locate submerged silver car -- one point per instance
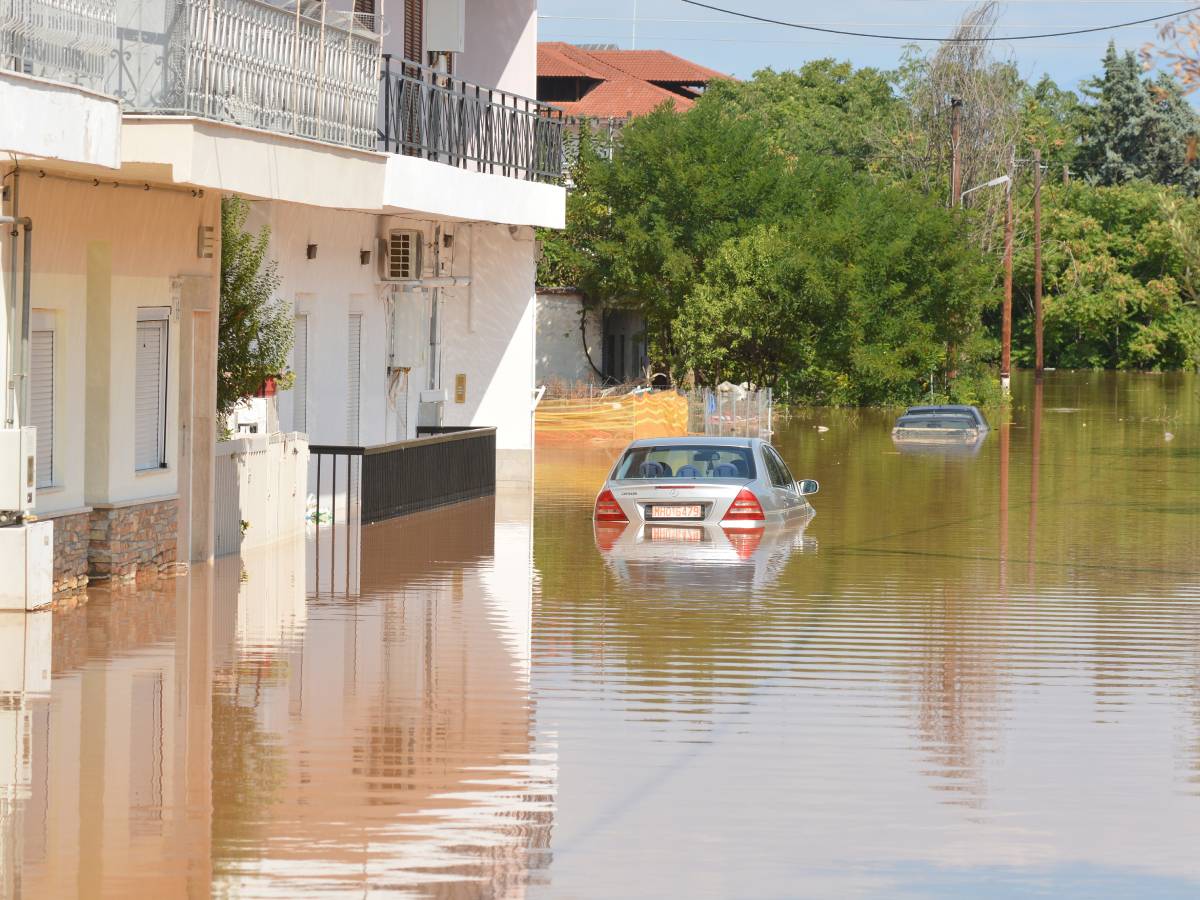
(731, 482)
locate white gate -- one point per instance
(261, 489)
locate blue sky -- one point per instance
(741, 47)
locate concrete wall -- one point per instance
(58, 121)
(560, 346)
(501, 45)
(100, 253)
(487, 329)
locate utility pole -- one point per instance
(1006, 324)
(1037, 263)
(955, 160)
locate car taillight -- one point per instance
(607, 508)
(745, 508)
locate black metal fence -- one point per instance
(404, 477)
(439, 117)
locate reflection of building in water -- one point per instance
(120, 758)
(24, 691)
(390, 746)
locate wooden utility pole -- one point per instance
(955, 158)
(1006, 322)
(1037, 263)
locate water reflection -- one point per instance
(700, 560)
(221, 733)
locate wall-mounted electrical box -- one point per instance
(445, 26)
(18, 472)
(27, 561)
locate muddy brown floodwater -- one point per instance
(976, 672)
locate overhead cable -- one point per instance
(948, 40)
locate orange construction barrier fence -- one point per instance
(611, 420)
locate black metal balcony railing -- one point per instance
(442, 118)
(388, 480)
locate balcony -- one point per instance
(302, 69)
(70, 41)
(251, 63)
(441, 118)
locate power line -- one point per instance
(948, 40)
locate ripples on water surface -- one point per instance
(969, 675)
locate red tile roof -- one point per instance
(657, 65)
(625, 78)
(618, 98)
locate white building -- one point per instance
(402, 211)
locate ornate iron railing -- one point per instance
(448, 120)
(64, 40)
(251, 63)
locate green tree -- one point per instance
(1117, 269)
(1137, 129)
(256, 330)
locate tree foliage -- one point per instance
(1137, 128)
(256, 330)
(792, 230)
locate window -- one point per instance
(41, 394)
(778, 471)
(354, 375)
(300, 369)
(150, 391)
(414, 22)
(686, 461)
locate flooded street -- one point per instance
(970, 674)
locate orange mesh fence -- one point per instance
(611, 420)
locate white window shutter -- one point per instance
(41, 401)
(354, 378)
(300, 369)
(150, 398)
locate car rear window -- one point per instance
(940, 420)
(692, 461)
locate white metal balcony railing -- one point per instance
(63, 40)
(252, 63)
(299, 69)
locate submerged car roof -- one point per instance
(697, 441)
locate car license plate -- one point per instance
(685, 535)
(691, 511)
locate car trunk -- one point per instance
(667, 500)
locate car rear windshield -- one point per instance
(937, 421)
(691, 461)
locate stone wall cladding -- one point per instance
(131, 540)
(71, 536)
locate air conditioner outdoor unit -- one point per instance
(18, 472)
(400, 256)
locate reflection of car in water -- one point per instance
(940, 429)
(733, 482)
(701, 559)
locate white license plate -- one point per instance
(676, 512)
(685, 535)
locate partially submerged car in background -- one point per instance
(948, 427)
(735, 483)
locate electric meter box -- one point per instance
(18, 470)
(27, 561)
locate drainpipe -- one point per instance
(16, 404)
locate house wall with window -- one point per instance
(122, 337)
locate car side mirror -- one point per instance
(807, 486)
